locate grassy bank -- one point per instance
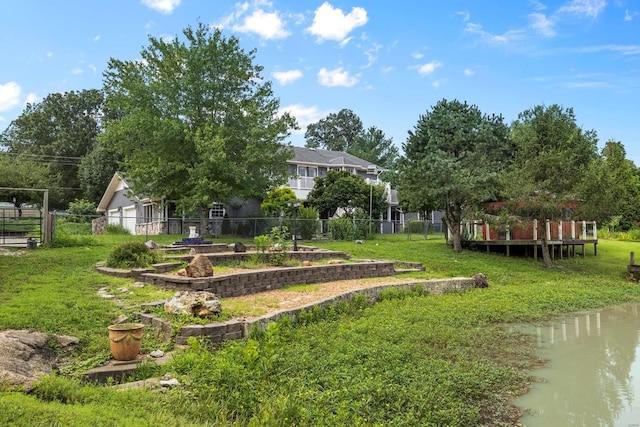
(411, 359)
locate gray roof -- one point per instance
(317, 156)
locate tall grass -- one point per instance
(411, 359)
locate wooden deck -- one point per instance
(559, 248)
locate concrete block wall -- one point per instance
(239, 329)
(233, 285)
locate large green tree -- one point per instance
(373, 146)
(195, 122)
(346, 191)
(23, 172)
(453, 159)
(552, 159)
(59, 131)
(343, 131)
(336, 132)
(610, 190)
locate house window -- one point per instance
(147, 213)
(307, 172)
(216, 211)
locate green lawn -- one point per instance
(409, 360)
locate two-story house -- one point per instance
(147, 215)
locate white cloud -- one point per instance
(96, 38)
(31, 98)
(429, 67)
(469, 72)
(336, 77)
(266, 25)
(417, 55)
(76, 71)
(93, 68)
(304, 115)
(388, 69)
(331, 23)
(465, 15)
(542, 24)
(509, 36)
(591, 8)
(285, 77)
(437, 83)
(162, 6)
(49, 54)
(371, 54)
(628, 16)
(9, 95)
(538, 5)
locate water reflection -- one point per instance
(593, 374)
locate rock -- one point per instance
(336, 261)
(27, 355)
(103, 293)
(199, 304)
(138, 285)
(156, 354)
(200, 266)
(193, 251)
(359, 242)
(239, 247)
(120, 319)
(182, 272)
(151, 244)
(169, 383)
(481, 280)
(306, 263)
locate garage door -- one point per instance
(129, 218)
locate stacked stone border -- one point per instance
(235, 329)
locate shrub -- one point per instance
(81, 210)
(308, 223)
(341, 229)
(132, 255)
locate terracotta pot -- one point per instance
(125, 340)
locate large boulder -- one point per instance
(199, 304)
(200, 266)
(27, 355)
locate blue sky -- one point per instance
(388, 61)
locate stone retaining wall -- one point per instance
(238, 329)
(228, 257)
(237, 284)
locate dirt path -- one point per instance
(296, 296)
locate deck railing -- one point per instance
(552, 230)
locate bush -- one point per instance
(132, 255)
(81, 210)
(341, 229)
(308, 223)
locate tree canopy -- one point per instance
(453, 159)
(346, 191)
(551, 164)
(343, 131)
(58, 131)
(195, 122)
(336, 132)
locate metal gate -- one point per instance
(20, 227)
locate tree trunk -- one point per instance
(545, 253)
(457, 239)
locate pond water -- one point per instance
(593, 374)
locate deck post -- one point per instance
(559, 230)
(548, 230)
(475, 230)
(487, 231)
(573, 230)
(535, 229)
(584, 230)
(595, 231)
